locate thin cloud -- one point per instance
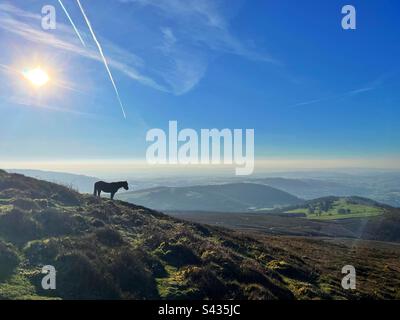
(72, 23)
(6, 69)
(373, 86)
(190, 35)
(202, 21)
(193, 34)
(169, 39)
(306, 103)
(121, 60)
(103, 57)
(29, 103)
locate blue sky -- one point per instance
(286, 68)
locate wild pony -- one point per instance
(112, 187)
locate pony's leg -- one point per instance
(112, 195)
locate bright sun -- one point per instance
(37, 76)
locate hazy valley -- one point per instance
(381, 186)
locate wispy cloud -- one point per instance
(169, 39)
(309, 102)
(192, 34)
(189, 35)
(72, 23)
(103, 57)
(29, 103)
(195, 32)
(361, 90)
(6, 69)
(65, 39)
(204, 22)
(370, 87)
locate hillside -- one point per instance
(115, 250)
(379, 185)
(224, 197)
(385, 227)
(78, 182)
(334, 208)
(312, 188)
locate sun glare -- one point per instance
(37, 77)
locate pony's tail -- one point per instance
(95, 190)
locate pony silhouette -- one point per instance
(112, 188)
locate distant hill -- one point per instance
(78, 182)
(312, 188)
(382, 186)
(333, 208)
(105, 249)
(233, 197)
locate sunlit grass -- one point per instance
(356, 211)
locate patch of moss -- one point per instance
(9, 260)
(177, 255)
(175, 285)
(19, 288)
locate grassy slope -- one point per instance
(103, 249)
(357, 210)
(385, 227)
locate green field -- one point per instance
(336, 211)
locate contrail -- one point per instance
(72, 22)
(102, 56)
